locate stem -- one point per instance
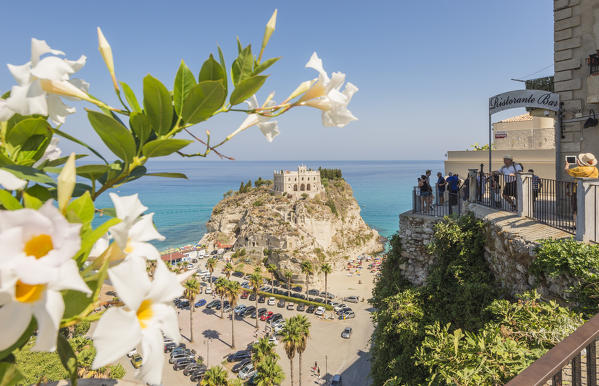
(118, 94)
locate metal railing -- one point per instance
(439, 203)
(552, 202)
(497, 191)
(572, 361)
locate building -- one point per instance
(576, 64)
(297, 183)
(529, 138)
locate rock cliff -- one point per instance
(289, 231)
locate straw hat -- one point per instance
(507, 156)
(587, 159)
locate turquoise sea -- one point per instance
(182, 207)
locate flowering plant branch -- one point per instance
(54, 262)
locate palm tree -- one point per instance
(220, 289)
(215, 376)
(271, 268)
(233, 288)
(228, 269)
(263, 349)
(326, 269)
(308, 269)
(303, 326)
(268, 372)
(290, 339)
(192, 289)
(256, 282)
(210, 265)
(288, 276)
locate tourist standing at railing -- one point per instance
(441, 183)
(453, 186)
(426, 193)
(587, 167)
(537, 185)
(509, 170)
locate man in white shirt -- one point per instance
(510, 189)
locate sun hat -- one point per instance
(507, 156)
(587, 159)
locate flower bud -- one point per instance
(302, 88)
(270, 28)
(66, 183)
(64, 88)
(106, 53)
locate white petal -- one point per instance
(69, 278)
(57, 110)
(99, 246)
(33, 271)
(52, 68)
(26, 100)
(11, 182)
(48, 313)
(39, 48)
(167, 318)
(5, 112)
(14, 319)
(337, 80)
(269, 129)
(349, 91)
(337, 117)
(22, 73)
(252, 102)
(117, 332)
(316, 63)
(120, 233)
(142, 250)
(131, 282)
(127, 207)
(12, 245)
(153, 356)
(76, 65)
(144, 230)
(165, 286)
(80, 84)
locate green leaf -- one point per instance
(116, 136)
(32, 202)
(136, 173)
(27, 128)
(184, 82)
(246, 88)
(67, 357)
(62, 160)
(158, 105)
(21, 341)
(168, 175)
(203, 100)
(82, 208)
(130, 97)
(28, 173)
(165, 146)
(92, 172)
(9, 201)
(10, 374)
(221, 58)
(140, 123)
(264, 65)
(40, 192)
(242, 67)
(73, 139)
(211, 70)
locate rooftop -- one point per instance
(518, 118)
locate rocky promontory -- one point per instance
(258, 222)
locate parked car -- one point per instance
(275, 318)
(266, 315)
(248, 311)
(132, 352)
(181, 355)
(244, 295)
(169, 346)
(339, 307)
(301, 307)
(346, 333)
(336, 380)
(310, 309)
(238, 274)
(352, 299)
(261, 311)
(239, 309)
(246, 372)
(319, 311)
(208, 291)
(281, 303)
(136, 361)
(239, 356)
(193, 368)
(347, 315)
(290, 306)
(183, 363)
(261, 299)
(273, 340)
(237, 368)
(297, 288)
(200, 303)
(313, 292)
(271, 301)
(197, 375)
(344, 310)
(212, 304)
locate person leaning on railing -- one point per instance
(586, 167)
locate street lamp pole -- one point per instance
(326, 365)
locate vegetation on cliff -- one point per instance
(460, 327)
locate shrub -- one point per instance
(296, 300)
(331, 204)
(258, 203)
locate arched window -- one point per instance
(302, 187)
(295, 188)
(308, 187)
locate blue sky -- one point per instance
(425, 69)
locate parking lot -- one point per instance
(333, 354)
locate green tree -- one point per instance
(303, 329)
(228, 269)
(262, 349)
(232, 289)
(308, 270)
(326, 269)
(271, 268)
(291, 336)
(210, 265)
(192, 289)
(220, 289)
(256, 282)
(268, 372)
(215, 376)
(288, 276)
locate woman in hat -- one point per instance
(587, 167)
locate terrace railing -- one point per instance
(550, 202)
(440, 203)
(497, 191)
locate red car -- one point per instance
(244, 295)
(266, 316)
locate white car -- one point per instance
(132, 352)
(271, 301)
(319, 311)
(339, 307)
(273, 340)
(239, 309)
(189, 266)
(208, 290)
(246, 372)
(279, 328)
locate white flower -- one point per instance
(52, 153)
(269, 128)
(133, 232)
(30, 95)
(99, 247)
(11, 182)
(147, 315)
(327, 96)
(35, 265)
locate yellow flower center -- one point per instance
(144, 313)
(38, 246)
(128, 247)
(28, 293)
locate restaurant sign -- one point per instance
(524, 98)
(500, 134)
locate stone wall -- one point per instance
(509, 249)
